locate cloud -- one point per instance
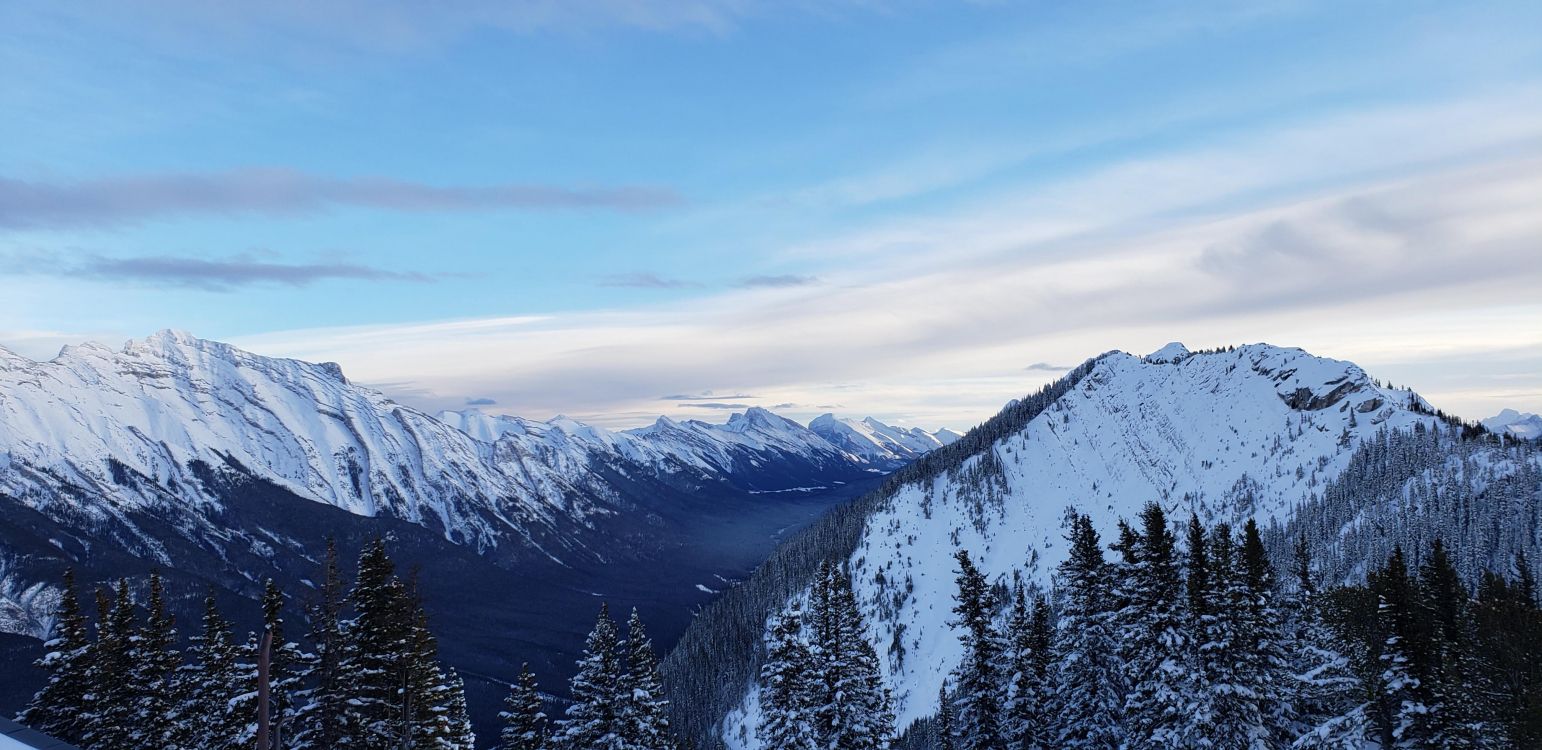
(644, 280)
(714, 405)
(111, 201)
(1046, 367)
(704, 396)
(481, 401)
(198, 273)
(788, 280)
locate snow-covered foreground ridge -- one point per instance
(1255, 431)
(102, 434)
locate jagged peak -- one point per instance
(1173, 352)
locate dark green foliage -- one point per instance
(979, 688)
(524, 722)
(59, 709)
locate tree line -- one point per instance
(368, 677)
(1188, 639)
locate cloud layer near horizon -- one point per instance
(109, 201)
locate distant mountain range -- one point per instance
(1515, 424)
(222, 468)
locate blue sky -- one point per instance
(910, 209)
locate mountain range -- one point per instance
(1312, 448)
(222, 468)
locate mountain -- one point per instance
(878, 443)
(1308, 446)
(1515, 424)
(223, 468)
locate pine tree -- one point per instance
(59, 707)
(327, 718)
(1024, 727)
(852, 706)
(284, 662)
(593, 721)
(1400, 708)
(944, 725)
(155, 663)
(787, 680)
(979, 689)
(381, 636)
(211, 685)
(110, 716)
(1266, 660)
(646, 713)
(458, 716)
(1331, 713)
(1088, 699)
(524, 723)
(1159, 707)
(1454, 720)
(1224, 653)
(1509, 631)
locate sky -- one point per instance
(614, 209)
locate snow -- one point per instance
(1226, 435)
(10, 743)
(1515, 424)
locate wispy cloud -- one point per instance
(219, 275)
(644, 280)
(705, 396)
(481, 401)
(1046, 367)
(787, 280)
(714, 405)
(38, 204)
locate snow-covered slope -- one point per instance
(100, 434)
(1228, 434)
(1515, 424)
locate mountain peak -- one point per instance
(1172, 352)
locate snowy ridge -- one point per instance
(1515, 424)
(1229, 434)
(876, 442)
(105, 433)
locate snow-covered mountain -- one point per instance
(877, 442)
(1515, 424)
(1256, 431)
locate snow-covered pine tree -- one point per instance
(1455, 719)
(1331, 711)
(593, 721)
(59, 707)
(979, 687)
(1401, 709)
(458, 716)
(1208, 629)
(380, 635)
(284, 662)
(1088, 697)
(646, 712)
(210, 685)
(109, 717)
(1160, 704)
(1266, 655)
(327, 718)
(944, 724)
(786, 679)
(154, 672)
(524, 721)
(852, 709)
(1227, 659)
(1024, 726)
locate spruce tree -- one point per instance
(59, 707)
(787, 679)
(154, 672)
(1401, 709)
(1024, 724)
(327, 718)
(211, 685)
(646, 713)
(944, 724)
(1454, 720)
(1160, 707)
(524, 722)
(979, 688)
(1266, 657)
(111, 714)
(593, 721)
(852, 706)
(381, 635)
(1088, 699)
(1331, 712)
